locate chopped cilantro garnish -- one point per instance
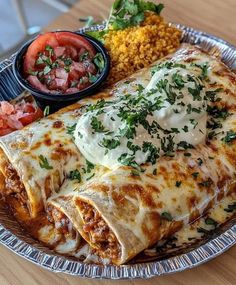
(89, 166)
(70, 129)
(178, 81)
(218, 112)
(135, 172)
(206, 183)
(167, 216)
(231, 208)
(43, 162)
(84, 56)
(133, 147)
(68, 61)
(211, 95)
(204, 70)
(178, 183)
(167, 145)
(154, 172)
(90, 177)
(153, 152)
(193, 122)
(213, 124)
(99, 61)
(93, 78)
(212, 135)
(75, 175)
(110, 143)
(46, 70)
(199, 161)
(67, 68)
(50, 50)
(230, 136)
(184, 145)
(195, 174)
(128, 160)
(97, 125)
(204, 231)
(211, 222)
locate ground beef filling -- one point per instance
(99, 233)
(62, 224)
(14, 186)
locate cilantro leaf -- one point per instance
(110, 143)
(230, 136)
(43, 162)
(75, 175)
(167, 216)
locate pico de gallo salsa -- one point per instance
(16, 116)
(62, 63)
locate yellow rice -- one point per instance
(136, 47)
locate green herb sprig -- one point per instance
(43, 162)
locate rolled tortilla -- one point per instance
(123, 214)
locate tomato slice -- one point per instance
(76, 41)
(38, 46)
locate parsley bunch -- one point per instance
(127, 13)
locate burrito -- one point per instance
(36, 160)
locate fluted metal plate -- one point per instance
(13, 237)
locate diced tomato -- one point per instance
(14, 124)
(34, 81)
(79, 66)
(76, 41)
(91, 68)
(74, 75)
(61, 73)
(61, 83)
(84, 83)
(6, 107)
(14, 117)
(59, 51)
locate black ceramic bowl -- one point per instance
(58, 101)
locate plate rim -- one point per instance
(178, 263)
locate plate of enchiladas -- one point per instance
(117, 147)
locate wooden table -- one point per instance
(213, 16)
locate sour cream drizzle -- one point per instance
(137, 127)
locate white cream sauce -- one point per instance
(173, 106)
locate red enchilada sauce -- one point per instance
(62, 63)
